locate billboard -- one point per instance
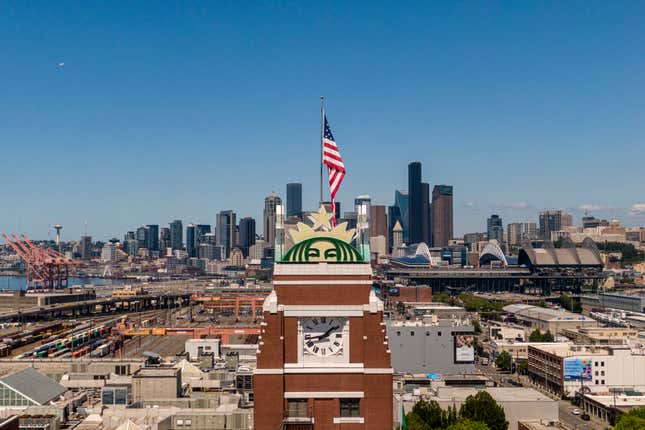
(464, 348)
(577, 368)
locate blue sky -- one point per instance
(167, 110)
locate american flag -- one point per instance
(334, 163)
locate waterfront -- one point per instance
(19, 282)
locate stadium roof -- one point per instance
(567, 256)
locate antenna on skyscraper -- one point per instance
(85, 229)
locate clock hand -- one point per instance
(326, 334)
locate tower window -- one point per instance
(350, 407)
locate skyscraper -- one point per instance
(516, 231)
(294, 200)
(153, 237)
(378, 223)
(269, 218)
(567, 220)
(426, 230)
(495, 230)
(225, 234)
(142, 237)
(247, 235)
(176, 236)
(362, 199)
(550, 220)
(442, 215)
(401, 201)
(164, 240)
(191, 240)
(415, 212)
(86, 247)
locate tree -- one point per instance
(400, 308)
(477, 326)
(634, 420)
(466, 424)
(537, 336)
(523, 367)
(569, 303)
(425, 416)
(482, 407)
(504, 361)
(630, 254)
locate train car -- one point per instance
(59, 353)
(101, 351)
(5, 350)
(80, 352)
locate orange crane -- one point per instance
(231, 302)
(195, 332)
(46, 269)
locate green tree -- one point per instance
(400, 308)
(425, 415)
(482, 407)
(535, 336)
(631, 255)
(569, 303)
(466, 424)
(477, 326)
(504, 361)
(523, 367)
(634, 420)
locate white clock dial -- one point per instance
(323, 336)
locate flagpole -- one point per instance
(322, 126)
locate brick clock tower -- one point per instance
(323, 360)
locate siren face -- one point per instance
(327, 249)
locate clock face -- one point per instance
(323, 336)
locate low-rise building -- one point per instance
(507, 333)
(197, 347)
(608, 406)
(519, 403)
(28, 387)
(601, 335)
(156, 383)
(517, 350)
(548, 319)
(564, 368)
(432, 345)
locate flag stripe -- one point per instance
(335, 166)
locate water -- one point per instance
(19, 282)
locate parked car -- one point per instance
(585, 417)
(575, 411)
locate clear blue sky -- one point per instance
(167, 110)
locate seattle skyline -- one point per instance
(115, 117)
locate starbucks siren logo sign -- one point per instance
(322, 242)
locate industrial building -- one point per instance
(548, 319)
